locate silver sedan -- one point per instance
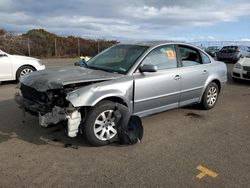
(146, 78)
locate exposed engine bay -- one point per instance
(51, 107)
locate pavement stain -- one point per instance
(69, 145)
(194, 115)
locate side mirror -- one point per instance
(148, 68)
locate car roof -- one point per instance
(153, 43)
(235, 46)
(156, 43)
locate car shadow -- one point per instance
(14, 125)
(196, 107)
(8, 83)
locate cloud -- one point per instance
(245, 39)
(130, 19)
(181, 15)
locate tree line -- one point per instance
(41, 43)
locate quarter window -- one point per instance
(189, 56)
(163, 57)
(205, 58)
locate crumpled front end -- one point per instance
(51, 107)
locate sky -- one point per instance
(189, 20)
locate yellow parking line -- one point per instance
(205, 171)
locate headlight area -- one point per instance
(70, 114)
(51, 107)
(40, 62)
(238, 66)
(62, 110)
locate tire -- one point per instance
(210, 96)
(100, 124)
(23, 71)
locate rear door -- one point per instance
(5, 67)
(194, 73)
(158, 91)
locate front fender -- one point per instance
(92, 94)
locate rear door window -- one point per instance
(189, 56)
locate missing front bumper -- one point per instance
(48, 115)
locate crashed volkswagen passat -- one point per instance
(146, 78)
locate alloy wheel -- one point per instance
(212, 96)
(25, 71)
(104, 126)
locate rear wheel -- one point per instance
(210, 96)
(100, 126)
(24, 71)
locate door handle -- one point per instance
(205, 72)
(177, 77)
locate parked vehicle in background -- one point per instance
(241, 70)
(212, 50)
(146, 78)
(232, 53)
(12, 67)
(83, 60)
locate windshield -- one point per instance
(119, 58)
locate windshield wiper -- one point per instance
(96, 68)
(102, 69)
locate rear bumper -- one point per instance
(234, 59)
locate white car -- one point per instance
(12, 67)
(241, 69)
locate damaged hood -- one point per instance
(59, 77)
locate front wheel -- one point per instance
(100, 125)
(210, 96)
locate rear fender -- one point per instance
(209, 80)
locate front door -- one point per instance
(158, 91)
(5, 67)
